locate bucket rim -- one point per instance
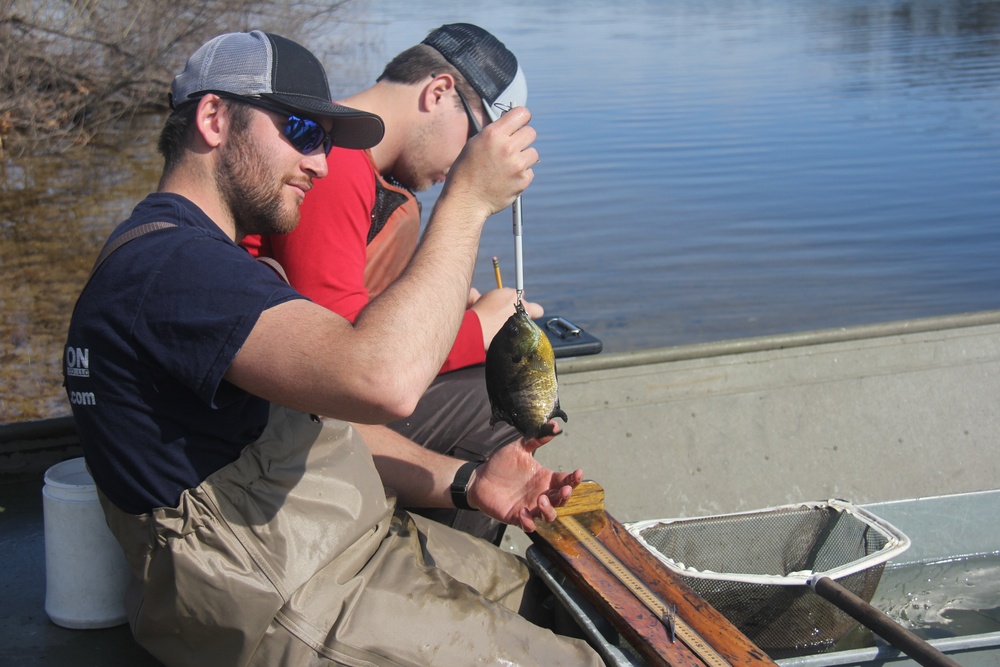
(76, 465)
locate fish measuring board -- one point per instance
(636, 593)
(679, 628)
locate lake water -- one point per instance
(709, 171)
(935, 600)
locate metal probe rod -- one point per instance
(518, 265)
(516, 209)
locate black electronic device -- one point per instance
(568, 339)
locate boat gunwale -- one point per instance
(65, 426)
(776, 342)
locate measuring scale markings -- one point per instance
(675, 624)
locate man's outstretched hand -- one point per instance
(513, 487)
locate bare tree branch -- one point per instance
(70, 68)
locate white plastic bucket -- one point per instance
(85, 570)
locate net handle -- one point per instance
(881, 624)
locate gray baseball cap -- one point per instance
(489, 67)
(261, 65)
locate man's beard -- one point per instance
(244, 181)
(410, 169)
(403, 177)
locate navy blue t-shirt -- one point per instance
(151, 337)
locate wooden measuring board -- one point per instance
(663, 619)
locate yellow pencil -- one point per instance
(496, 271)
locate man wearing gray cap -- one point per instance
(360, 227)
(259, 533)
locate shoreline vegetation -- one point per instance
(82, 97)
(72, 68)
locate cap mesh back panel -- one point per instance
(484, 62)
(236, 63)
(248, 69)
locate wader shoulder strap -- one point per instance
(117, 243)
(142, 230)
(130, 235)
(275, 266)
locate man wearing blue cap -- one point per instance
(257, 532)
(360, 227)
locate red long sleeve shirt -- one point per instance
(325, 256)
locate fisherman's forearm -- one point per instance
(419, 477)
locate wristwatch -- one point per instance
(460, 485)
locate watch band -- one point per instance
(460, 485)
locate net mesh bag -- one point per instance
(756, 567)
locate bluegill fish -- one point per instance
(521, 377)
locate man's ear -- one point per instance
(436, 92)
(211, 120)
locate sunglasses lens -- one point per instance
(307, 135)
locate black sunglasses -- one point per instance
(305, 134)
(474, 126)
